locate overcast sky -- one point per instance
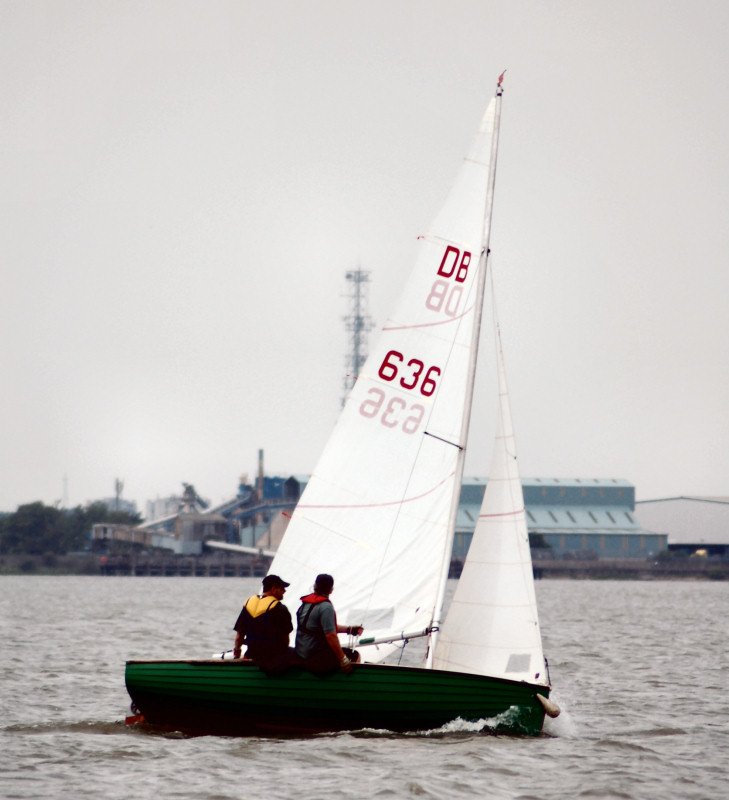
(185, 184)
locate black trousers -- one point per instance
(325, 661)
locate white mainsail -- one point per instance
(492, 627)
(378, 511)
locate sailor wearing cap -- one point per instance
(264, 624)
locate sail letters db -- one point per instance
(445, 295)
(450, 260)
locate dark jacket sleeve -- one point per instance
(240, 624)
(285, 615)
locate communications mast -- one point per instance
(358, 323)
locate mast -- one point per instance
(478, 310)
(359, 323)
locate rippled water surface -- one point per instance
(638, 669)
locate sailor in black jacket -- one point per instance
(264, 624)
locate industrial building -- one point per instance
(183, 530)
(258, 515)
(586, 518)
(692, 525)
(579, 518)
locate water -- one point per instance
(638, 669)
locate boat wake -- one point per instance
(492, 725)
(506, 723)
(85, 726)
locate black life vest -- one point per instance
(261, 631)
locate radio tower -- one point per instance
(359, 323)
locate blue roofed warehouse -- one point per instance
(590, 518)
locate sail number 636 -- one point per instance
(394, 365)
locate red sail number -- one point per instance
(388, 369)
(412, 372)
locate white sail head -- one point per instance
(376, 513)
(492, 626)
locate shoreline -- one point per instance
(233, 565)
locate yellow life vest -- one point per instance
(256, 605)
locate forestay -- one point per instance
(377, 512)
(492, 627)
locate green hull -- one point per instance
(236, 698)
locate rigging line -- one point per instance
(503, 393)
(433, 238)
(441, 439)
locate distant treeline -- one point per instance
(37, 529)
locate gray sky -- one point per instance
(184, 185)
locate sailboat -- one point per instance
(379, 514)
